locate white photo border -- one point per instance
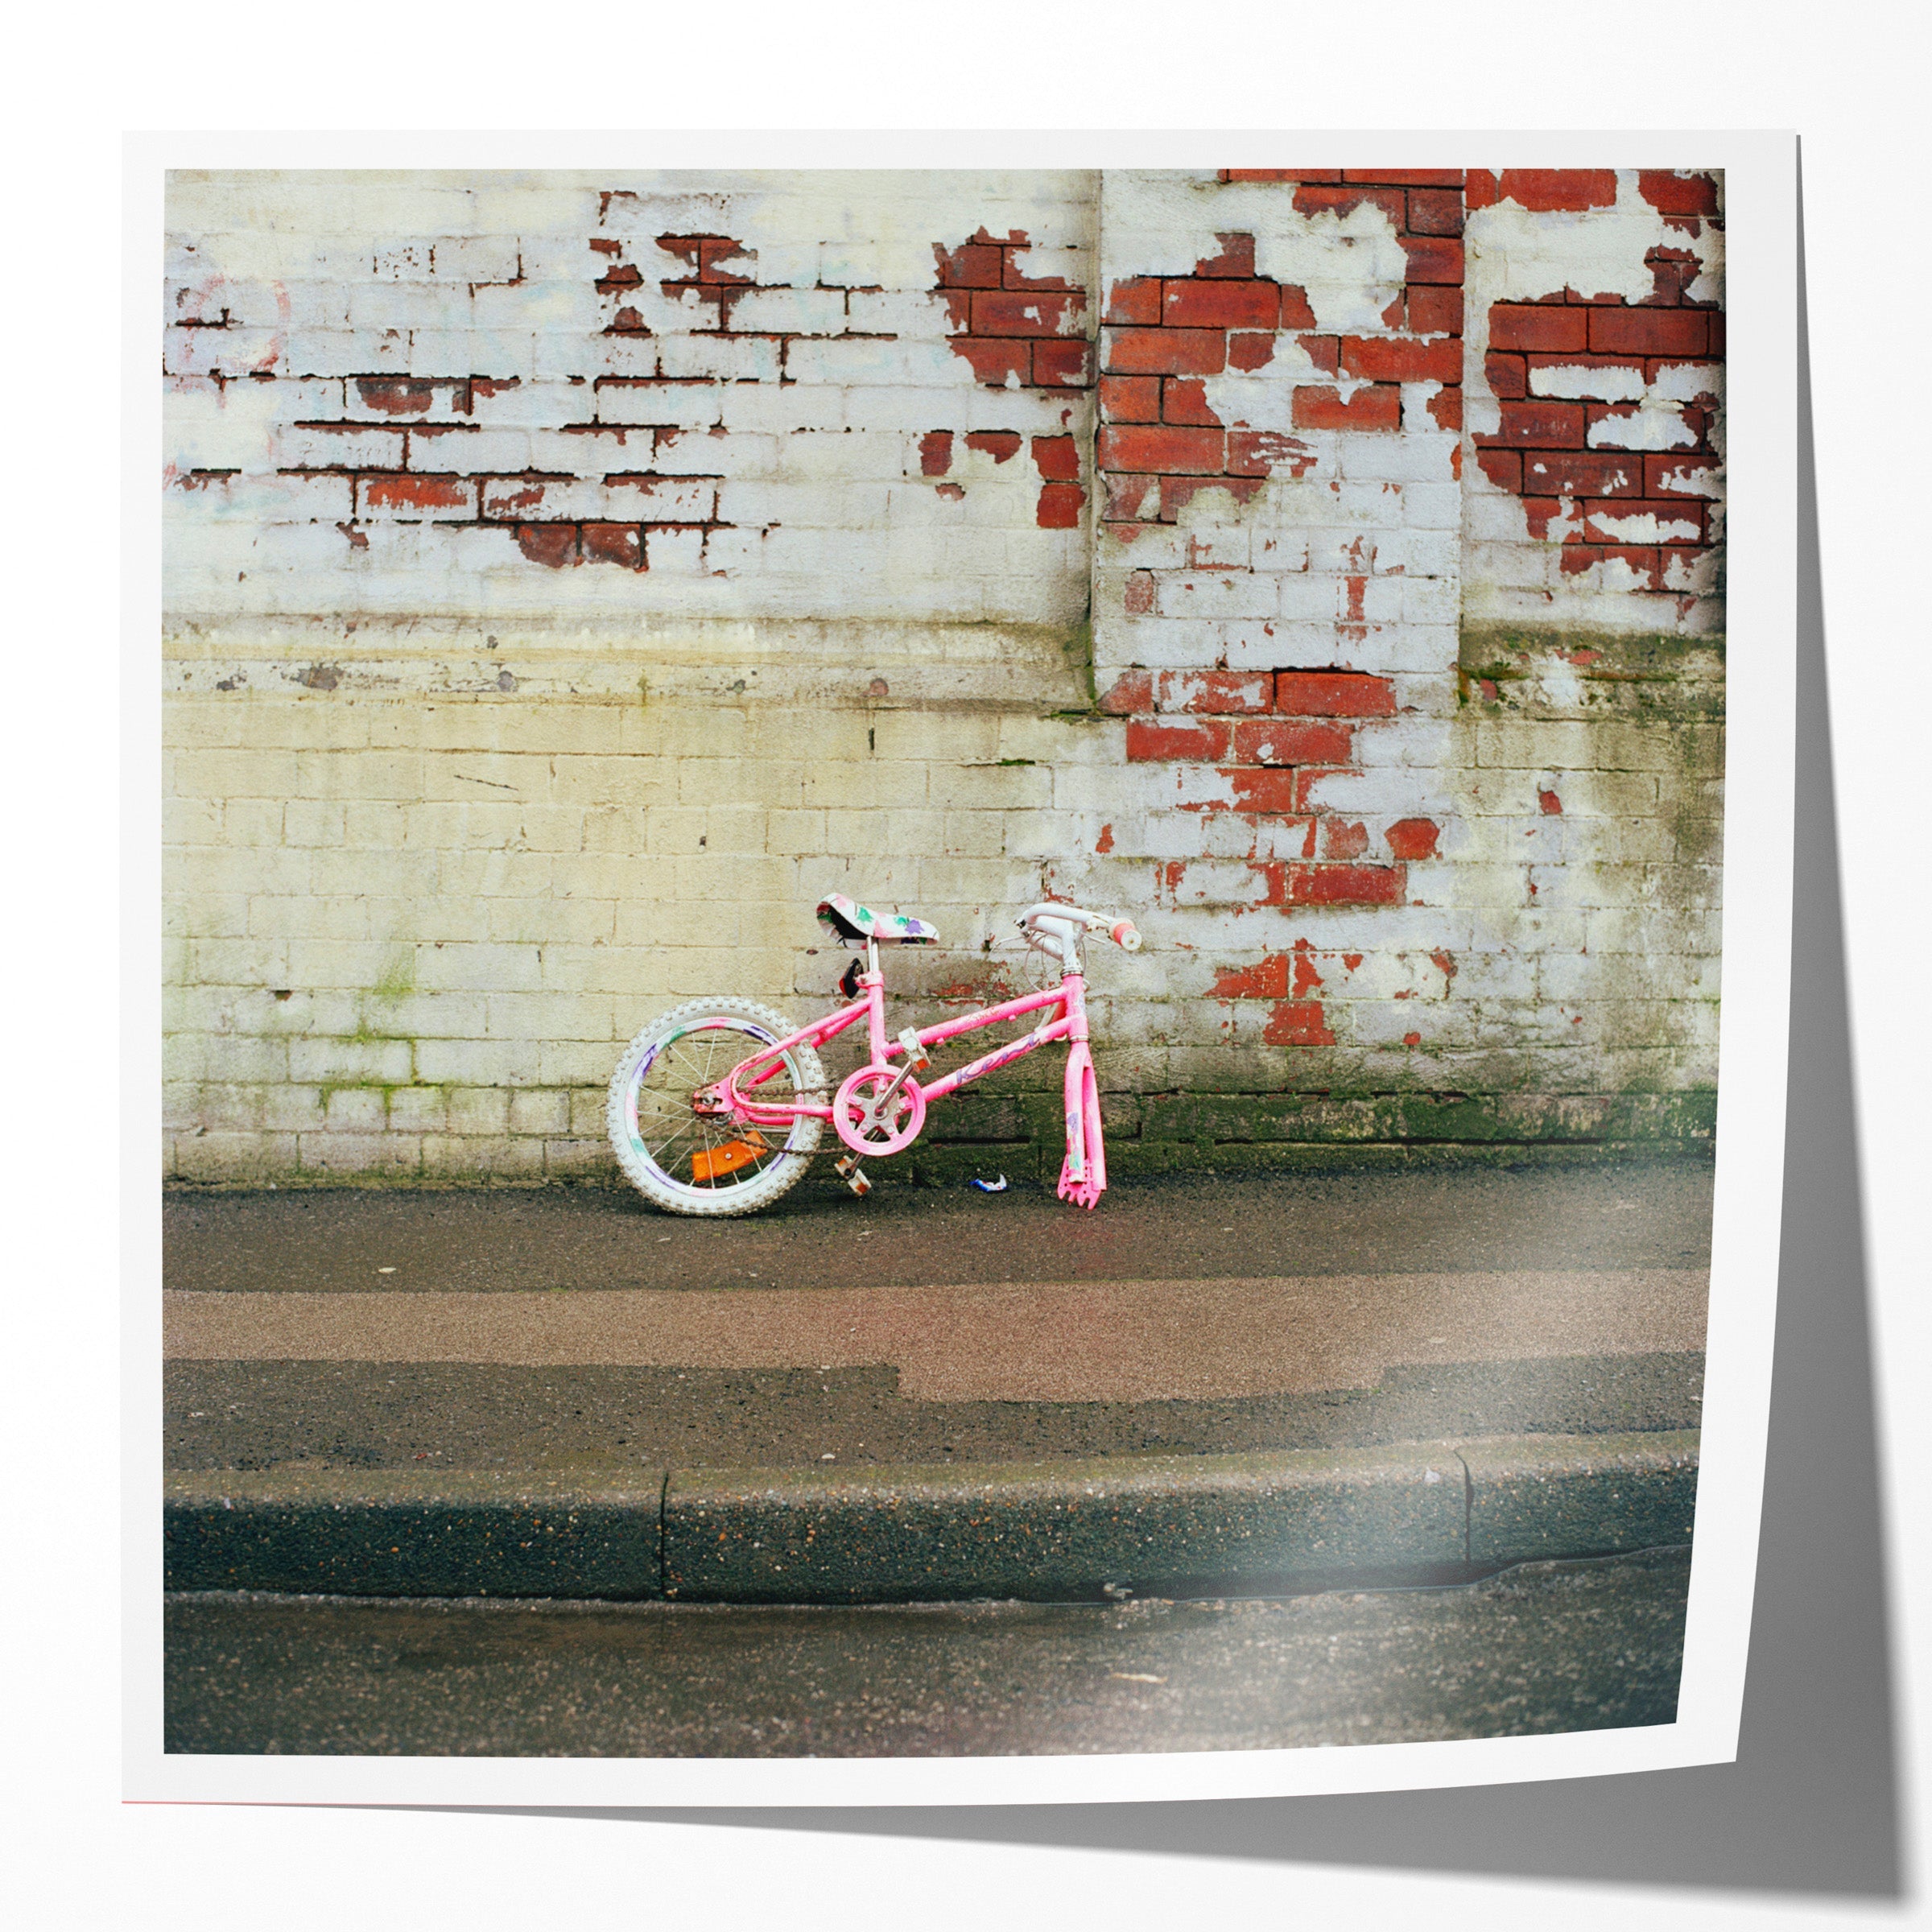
(1761, 301)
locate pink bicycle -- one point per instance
(701, 1126)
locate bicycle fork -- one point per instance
(1083, 1174)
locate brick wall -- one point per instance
(569, 579)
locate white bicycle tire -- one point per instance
(663, 1189)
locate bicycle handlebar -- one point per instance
(1121, 931)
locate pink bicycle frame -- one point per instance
(1083, 1174)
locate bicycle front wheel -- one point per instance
(687, 1162)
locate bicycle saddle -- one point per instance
(847, 919)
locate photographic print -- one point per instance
(944, 951)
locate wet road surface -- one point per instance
(1545, 1647)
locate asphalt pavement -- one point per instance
(1545, 1647)
(545, 1329)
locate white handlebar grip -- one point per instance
(1126, 937)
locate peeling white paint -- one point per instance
(1515, 255)
(1575, 382)
(1662, 426)
(1646, 529)
(1690, 382)
(1352, 267)
(1698, 572)
(1707, 482)
(1615, 575)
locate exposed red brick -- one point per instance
(607, 244)
(1671, 273)
(1132, 690)
(1345, 884)
(1220, 304)
(1125, 495)
(1671, 193)
(416, 493)
(1000, 444)
(1309, 200)
(1540, 424)
(1445, 406)
(1435, 312)
(1193, 739)
(1291, 742)
(1549, 803)
(688, 249)
(1184, 399)
(1220, 692)
(1660, 472)
(1553, 189)
(714, 251)
(1169, 352)
(1577, 558)
(1280, 174)
(1298, 1023)
(1250, 352)
(1717, 331)
(1136, 300)
(1157, 448)
(1648, 332)
(1235, 258)
(1130, 398)
(995, 360)
(1295, 310)
(1056, 458)
(1581, 473)
(1412, 1039)
(1407, 177)
(1333, 694)
(1480, 188)
(1139, 599)
(1267, 980)
(1537, 325)
(1324, 352)
(620, 543)
(1059, 506)
(972, 265)
(1433, 258)
(1061, 363)
(1260, 453)
(935, 452)
(1402, 359)
(1378, 408)
(1267, 790)
(1003, 312)
(1503, 468)
(1413, 838)
(1435, 210)
(1344, 839)
(395, 395)
(552, 544)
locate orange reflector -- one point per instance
(727, 1159)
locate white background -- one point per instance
(1846, 86)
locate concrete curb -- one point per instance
(1404, 1512)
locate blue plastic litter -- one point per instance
(998, 1187)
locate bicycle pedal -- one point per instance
(857, 1181)
(917, 1058)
